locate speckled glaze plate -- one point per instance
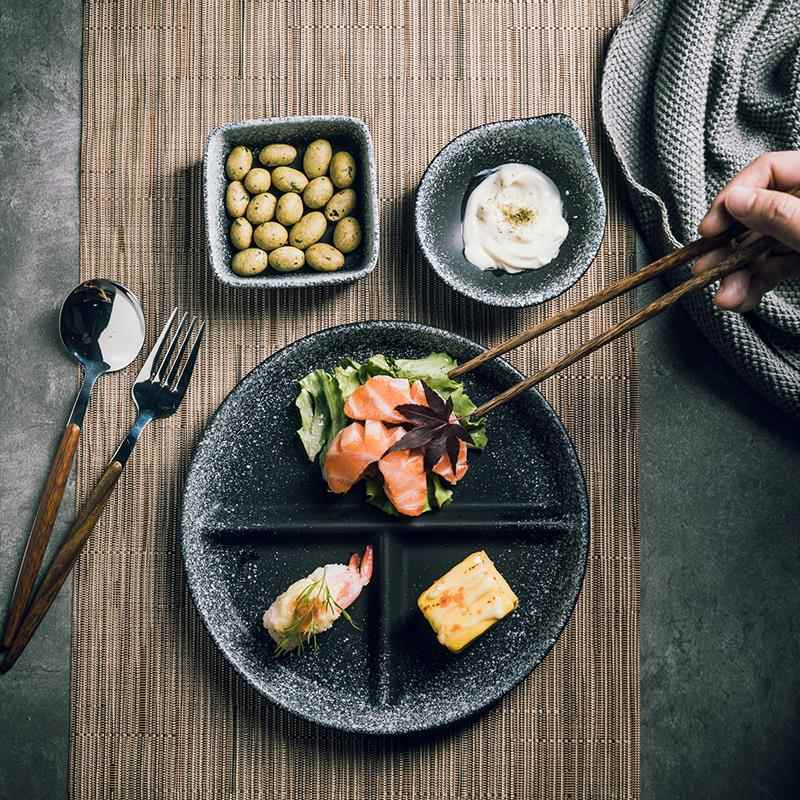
(257, 517)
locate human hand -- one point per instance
(758, 198)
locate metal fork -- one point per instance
(157, 392)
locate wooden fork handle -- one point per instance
(42, 529)
(63, 562)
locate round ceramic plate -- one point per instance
(257, 517)
(555, 144)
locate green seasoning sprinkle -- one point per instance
(518, 216)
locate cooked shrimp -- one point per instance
(311, 605)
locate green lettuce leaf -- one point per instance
(438, 493)
(463, 407)
(376, 496)
(347, 377)
(333, 397)
(432, 370)
(314, 419)
(377, 365)
(321, 411)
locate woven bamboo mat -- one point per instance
(157, 712)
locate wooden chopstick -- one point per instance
(747, 250)
(689, 252)
(747, 247)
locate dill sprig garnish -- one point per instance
(314, 600)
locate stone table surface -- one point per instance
(719, 495)
(720, 577)
(40, 72)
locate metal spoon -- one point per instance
(102, 327)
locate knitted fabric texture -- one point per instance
(693, 90)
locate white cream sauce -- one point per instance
(513, 220)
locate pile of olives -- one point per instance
(280, 213)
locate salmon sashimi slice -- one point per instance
(443, 467)
(418, 394)
(354, 449)
(378, 398)
(378, 438)
(405, 481)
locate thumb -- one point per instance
(775, 214)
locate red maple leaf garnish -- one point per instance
(433, 431)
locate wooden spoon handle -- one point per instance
(63, 562)
(42, 529)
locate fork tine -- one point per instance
(158, 372)
(147, 368)
(169, 381)
(183, 379)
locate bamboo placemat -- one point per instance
(157, 712)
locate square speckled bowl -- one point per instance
(344, 133)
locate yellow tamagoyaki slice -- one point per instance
(467, 601)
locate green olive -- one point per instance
(318, 192)
(289, 209)
(343, 170)
(239, 162)
(241, 233)
(310, 229)
(324, 258)
(277, 155)
(317, 158)
(270, 235)
(288, 179)
(261, 208)
(287, 259)
(347, 234)
(257, 180)
(236, 199)
(341, 205)
(249, 262)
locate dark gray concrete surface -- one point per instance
(40, 45)
(720, 530)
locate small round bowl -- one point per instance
(553, 144)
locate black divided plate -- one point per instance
(257, 516)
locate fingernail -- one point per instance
(739, 200)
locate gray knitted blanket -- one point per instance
(692, 91)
